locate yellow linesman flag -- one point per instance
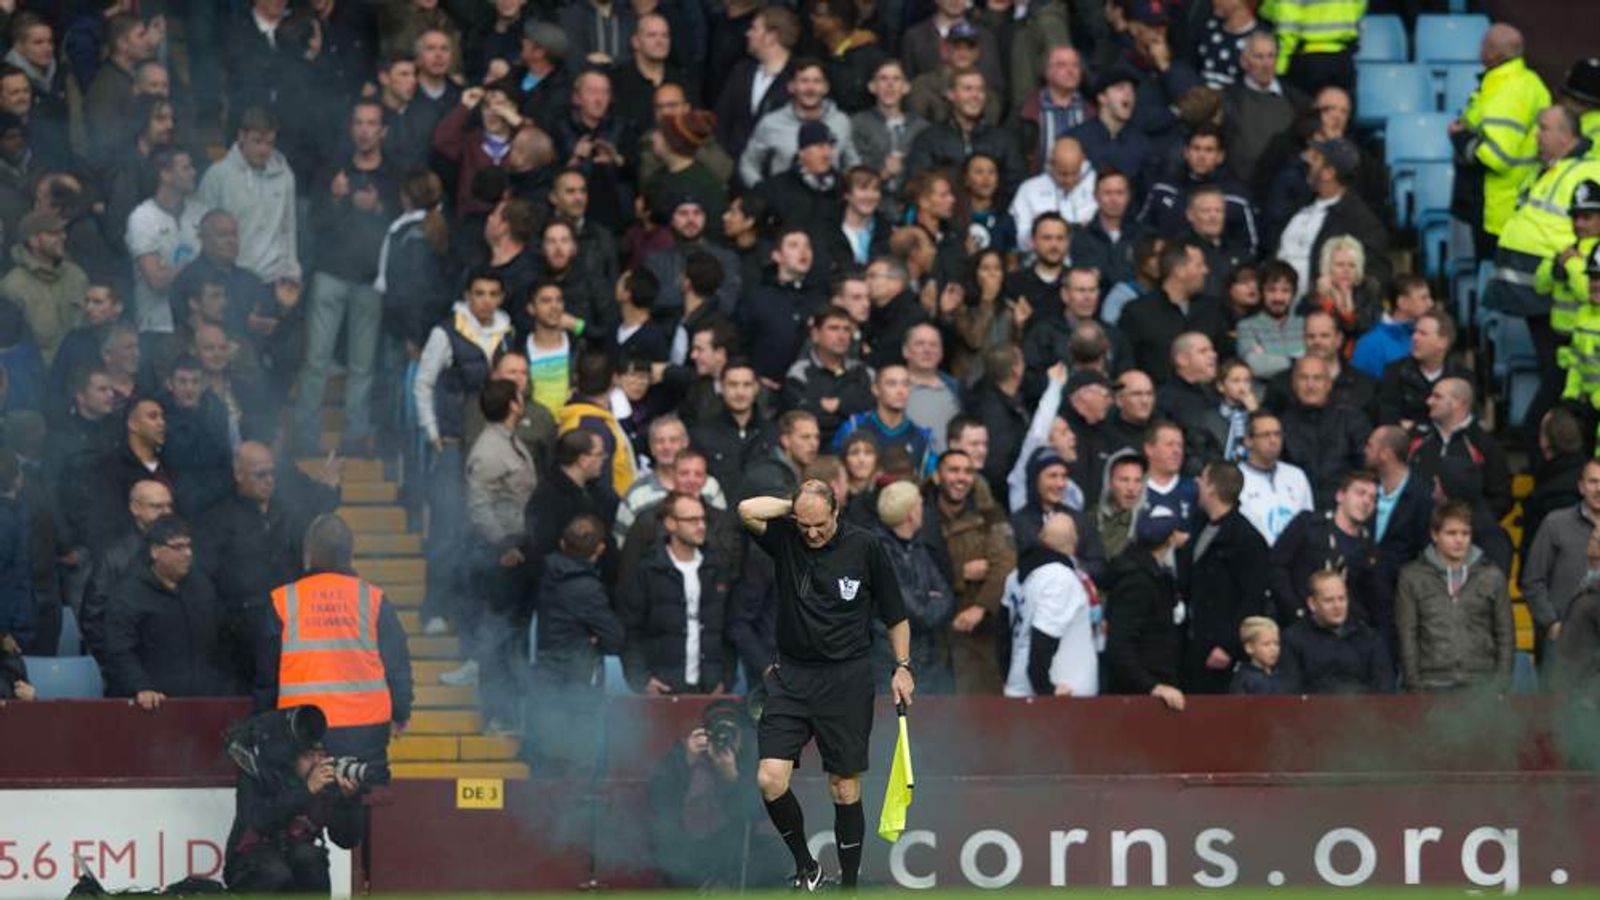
(897, 797)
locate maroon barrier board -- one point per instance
(1251, 792)
(1498, 832)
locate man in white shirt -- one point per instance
(1057, 629)
(675, 609)
(1065, 188)
(1274, 491)
(163, 236)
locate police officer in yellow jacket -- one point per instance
(1581, 94)
(1581, 359)
(1539, 229)
(334, 643)
(1495, 139)
(1316, 41)
(1565, 277)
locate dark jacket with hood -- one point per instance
(1027, 522)
(576, 628)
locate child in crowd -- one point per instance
(1258, 674)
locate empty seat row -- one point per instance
(1439, 39)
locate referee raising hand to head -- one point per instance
(831, 581)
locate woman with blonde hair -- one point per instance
(1344, 290)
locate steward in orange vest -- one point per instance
(334, 644)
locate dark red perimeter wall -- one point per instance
(1072, 792)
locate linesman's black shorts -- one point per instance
(832, 703)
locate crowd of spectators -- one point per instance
(1088, 310)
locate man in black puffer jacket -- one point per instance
(675, 608)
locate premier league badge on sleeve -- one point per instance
(848, 588)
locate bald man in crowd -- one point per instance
(1453, 431)
(250, 542)
(148, 501)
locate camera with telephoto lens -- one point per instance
(364, 773)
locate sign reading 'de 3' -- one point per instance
(480, 793)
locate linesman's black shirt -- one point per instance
(827, 597)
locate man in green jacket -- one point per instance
(46, 285)
(1454, 612)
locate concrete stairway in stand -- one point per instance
(445, 736)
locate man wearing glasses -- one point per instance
(164, 631)
(675, 607)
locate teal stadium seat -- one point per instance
(1449, 38)
(1390, 89)
(1383, 39)
(65, 677)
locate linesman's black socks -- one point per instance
(790, 821)
(849, 828)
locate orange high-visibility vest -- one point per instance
(330, 649)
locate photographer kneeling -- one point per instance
(289, 791)
(703, 811)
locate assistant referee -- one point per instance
(831, 581)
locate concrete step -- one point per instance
(427, 671)
(405, 595)
(354, 470)
(425, 748)
(488, 748)
(389, 545)
(374, 519)
(513, 770)
(392, 569)
(435, 647)
(366, 493)
(445, 696)
(445, 721)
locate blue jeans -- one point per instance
(359, 307)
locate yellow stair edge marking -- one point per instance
(425, 748)
(445, 721)
(445, 695)
(512, 770)
(487, 748)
